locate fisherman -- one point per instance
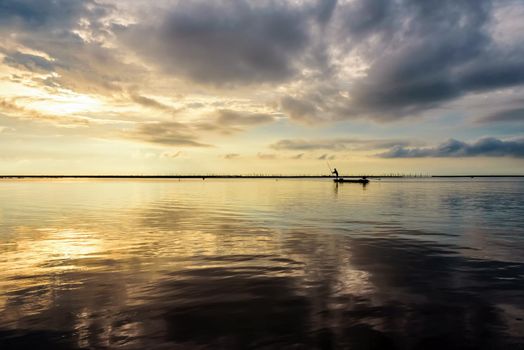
(335, 172)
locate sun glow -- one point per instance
(66, 104)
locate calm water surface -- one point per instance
(242, 264)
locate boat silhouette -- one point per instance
(356, 181)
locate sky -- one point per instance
(261, 87)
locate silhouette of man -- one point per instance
(335, 172)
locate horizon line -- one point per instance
(211, 176)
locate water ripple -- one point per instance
(419, 264)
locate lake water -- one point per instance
(265, 264)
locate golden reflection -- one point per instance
(52, 245)
(38, 262)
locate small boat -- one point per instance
(355, 181)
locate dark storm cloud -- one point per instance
(439, 51)
(325, 10)
(487, 147)
(45, 14)
(510, 115)
(364, 18)
(498, 69)
(419, 55)
(223, 42)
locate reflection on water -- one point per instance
(418, 264)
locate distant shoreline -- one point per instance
(241, 176)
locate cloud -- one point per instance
(266, 156)
(236, 118)
(11, 108)
(226, 121)
(326, 157)
(152, 103)
(395, 59)
(300, 109)
(5, 128)
(509, 115)
(486, 147)
(224, 42)
(231, 156)
(48, 14)
(437, 52)
(164, 133)
(339, 144)
(71, 41)
(325, 9)
(86, 67)
(365, 18)
(32, 63)
(171, 155)
(312, 60)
